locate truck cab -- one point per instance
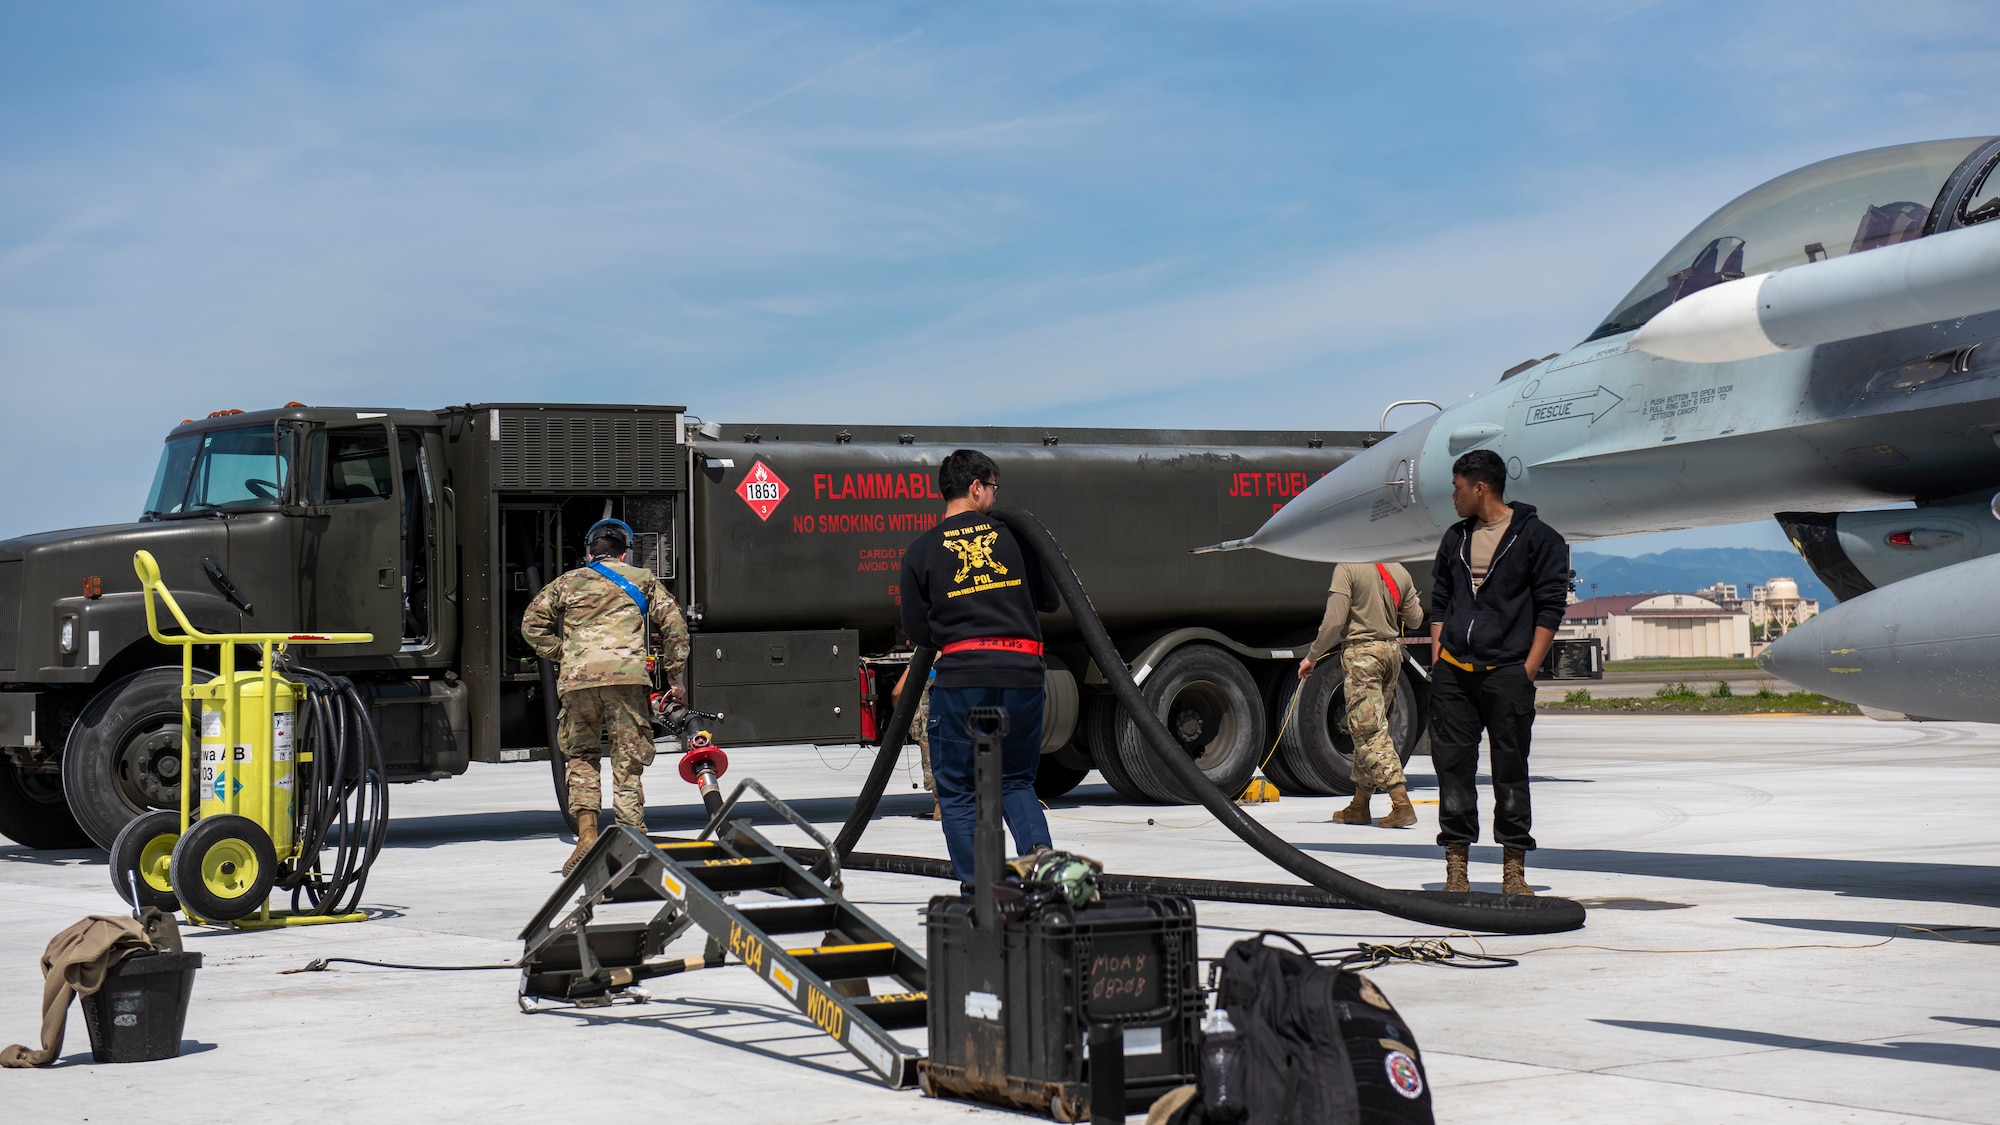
(294, 519)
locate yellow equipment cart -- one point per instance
(221, 854)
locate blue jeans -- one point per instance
(952, 767)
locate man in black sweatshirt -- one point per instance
(1501, 584)
(972, 593)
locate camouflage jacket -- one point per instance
(592, 628)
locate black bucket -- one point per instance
(140, 1012)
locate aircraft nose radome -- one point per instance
(1368, 510)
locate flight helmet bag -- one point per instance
(1320, 1044)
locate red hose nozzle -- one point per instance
(706, 759)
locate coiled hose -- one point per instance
(1459, 910)
(341, 793)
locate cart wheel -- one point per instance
(224, 867)
(141, 857)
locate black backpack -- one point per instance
(1321, 1045)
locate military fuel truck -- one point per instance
(432, 529)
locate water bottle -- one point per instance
(1222, 1092)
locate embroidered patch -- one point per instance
(1403, 1074)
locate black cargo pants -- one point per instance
(1502, 704)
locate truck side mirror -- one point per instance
(294, 446)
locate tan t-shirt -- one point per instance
(1358, 608)
(1486, 540)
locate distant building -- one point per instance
(1775, 608)
(1646, 626)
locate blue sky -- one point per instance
(1178, 214)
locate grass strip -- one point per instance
(1761, 703)
(1675, 665)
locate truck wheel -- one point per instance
(1212, 707)
(1315, 750)
(1101, 719)
(1277, 767)
(1062, 770)
(123, 756)
(223, 868)
(33, 812)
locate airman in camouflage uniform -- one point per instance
(1368, 607)
(1371, 668)
(593, 628)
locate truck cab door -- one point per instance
(350, 564)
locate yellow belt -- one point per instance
(1461, 665)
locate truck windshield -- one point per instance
(1861, 201)
(225, 470)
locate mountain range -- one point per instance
(1687, 569)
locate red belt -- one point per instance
(1021, 645)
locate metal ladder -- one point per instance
(566, 956)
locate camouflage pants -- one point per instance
(1372, 668)
(920, 729)
(620, 713)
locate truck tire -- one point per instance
(123, 756)
(1315, 752)
(33, 813)
(1101, 720)
(1210, 703)
(1063, 770)
(1277, 767)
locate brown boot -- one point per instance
(1401, 814)
(1356, 811)
(586, 835)
(1514, 872)
(1456, 856)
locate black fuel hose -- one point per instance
(896, 735)
(341, 795)
(1459, 910)
(886, 758)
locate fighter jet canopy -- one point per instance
(1845, 205)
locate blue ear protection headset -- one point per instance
(620, 526)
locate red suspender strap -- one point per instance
(1395, 594)
(994, 644)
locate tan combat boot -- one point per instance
(586, 835)
(1356, 811)
(1456, 856)
(1401, 814)
(1514, 872)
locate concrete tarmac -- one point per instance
(1742, 963)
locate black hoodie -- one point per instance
(1527, 584)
